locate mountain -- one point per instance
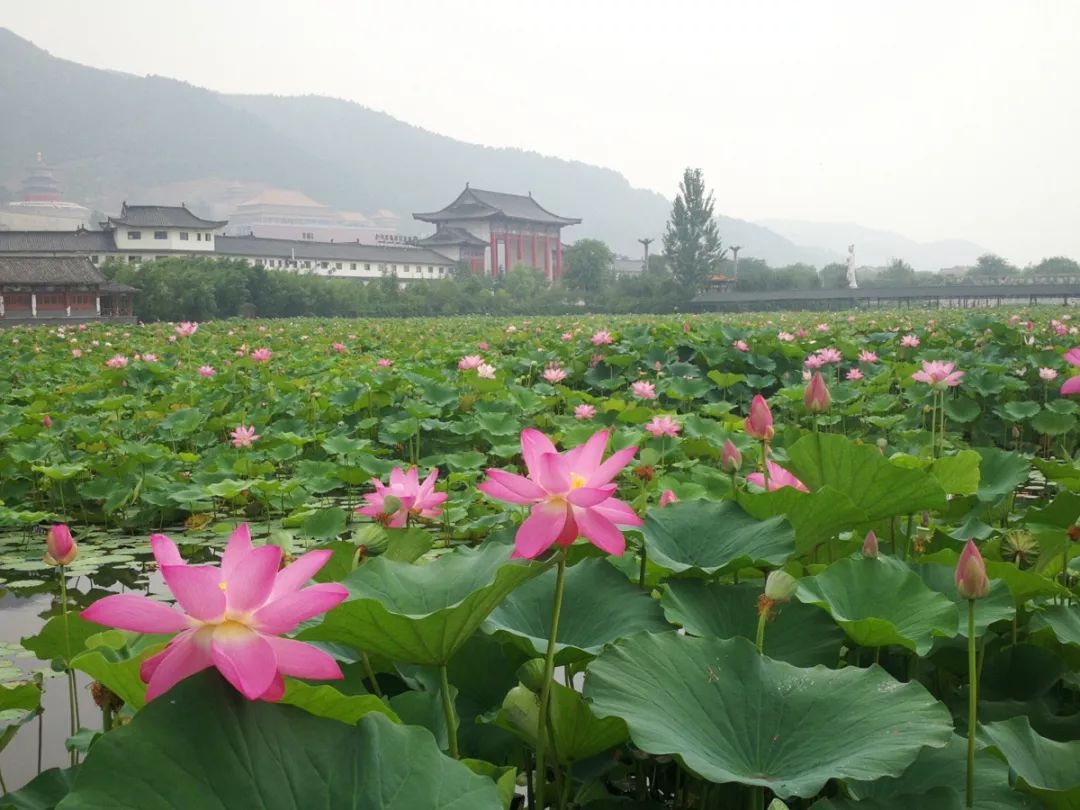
(877, 248)
(113, 136)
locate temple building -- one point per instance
(286, 214)
(41, 205)
(492, 231)
(145, 231)
(33, 289)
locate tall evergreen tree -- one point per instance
(692, 240)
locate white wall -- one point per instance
(196, 242)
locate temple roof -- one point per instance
(80, 241)
(474, 203)
(162, 216)
(54, 270)
(305, 249)
(451, 236)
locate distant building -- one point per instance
(513, 229)
(41, 205)
(146, 232)
(285, 214)
(622, 267)
(37, 288)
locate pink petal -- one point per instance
(239, 547)
(397, 478)
(533, 445)
(197, 589)
(1072, 356)
(300, 660)
(165, 550)
(554, 473)
(180, 661)
(600, 531)
(585, 458)
(1071, 386)
(526, 490)
(540, 530)
(284, 614)
(139, 614)
(494, 489)
(612, 467)
(618, 512)
(252, 579)
(299, 572)
(244, 657)
(275, 691)
(590, 496)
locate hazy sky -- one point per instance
(943, 118)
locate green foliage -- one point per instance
(692, 239)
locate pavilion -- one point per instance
(66, 288)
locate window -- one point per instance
(337, 266)
(198, 237)
(352, 265)
(134, 259)
(367, 266)
(161, 234)
(134, 234)
(209, 237)
(183, 236)
(94, 259)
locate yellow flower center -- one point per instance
(223, 586)
(576, 481)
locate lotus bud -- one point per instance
(759, 424)
(971, 579)
(1073, 532)
(882, 445)
(730, 458)
(46, 421)
(780, 586)
(817, 399)
(60, 547)
(668, 497)
(870, 545)
(391, 505)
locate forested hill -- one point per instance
(113, 136)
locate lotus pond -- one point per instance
(786, 560)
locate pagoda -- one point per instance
(517, 230)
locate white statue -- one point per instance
(852, 282)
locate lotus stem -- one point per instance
(3, 787)
(765, 462)
(72, 693)
(973, 697)
(644, 559)
(448, 711)
(370, 672)
(763, 618)
(540, 775)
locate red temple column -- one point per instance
(532, 251)
(558, 256)
(521, 248)
(547, 259)
(494, 254)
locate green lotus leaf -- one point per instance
(1048, 769)
(1062, 620)
(878, 603)
(43, 792)
(421, 614)
(996, 606)
(732, 715)
(599, 606)
(709, 537)
(64, 636)
(205, 746)
(323, 700)
(1000, 473)
(799, 634)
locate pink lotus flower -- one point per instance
(1071, 386)
(785, 337)
(814, 361)
(571, 495)
(938, 374)
(232, 618)
(1047, 374)
(338, 347)
(870, 545)
(469, 362)
(801, 333)
(602, 338)
(741, 345)
(76, 353)
(554, 373)
(207, 371)
(485, 371)
(1072, 356)
(187, 329)
(909, 342)
(823, 327)
(584, 411)
(46, 421)
(406, 495)
(663, 426)
(243, 436)
(730, 457)
(595, 360)
(830, 355)
(759, 424)
(384, 362)
(60, 548)
(643, 390)
(778, 478)
(854, 375)
(566, 337)
(971, 579)
(483, 346)
(261, 355)
(668, 497)
(817, 399)
(117, 361)
(867, 357)
(149, 357)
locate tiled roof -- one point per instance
(257, 247)
(452, 236)
(55, 270)
(475, 203)
(81, 241)
(162, 216)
